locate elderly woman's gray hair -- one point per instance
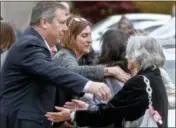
(145, 51)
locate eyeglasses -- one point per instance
(77, 20)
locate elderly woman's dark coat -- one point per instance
(130, 103)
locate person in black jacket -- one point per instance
(132, 101)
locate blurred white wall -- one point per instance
(171, 118)
(17, 12)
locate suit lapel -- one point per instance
(30, 31)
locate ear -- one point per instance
(43, 23)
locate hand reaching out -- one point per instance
(118, 73)
(62, 115)
(76, 105)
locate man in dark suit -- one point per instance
(29, 77)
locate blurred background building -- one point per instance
(19, 12)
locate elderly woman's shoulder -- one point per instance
(136, 81)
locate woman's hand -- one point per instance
(117, 72)
(62, 115)
(76, 105)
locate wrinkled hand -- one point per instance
(118, 73)
(100, 90)
(62, 115)
(76, 105)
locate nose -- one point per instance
(90, 39)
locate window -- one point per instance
(170, 68)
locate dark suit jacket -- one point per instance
(130, 103)
(29, 79)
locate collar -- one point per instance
(46, 43)
(148, 69)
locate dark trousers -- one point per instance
(8, 120)
(31, 124)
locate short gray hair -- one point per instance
(44, 10)
(145, 51)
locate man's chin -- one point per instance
(60, 37)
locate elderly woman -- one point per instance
(170, 87)
(76, 43)
(132, 101)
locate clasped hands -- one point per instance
(100, 90)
